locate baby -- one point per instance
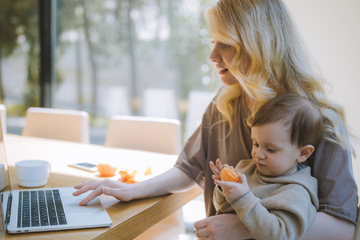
(277, 196)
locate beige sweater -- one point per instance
(276, 207)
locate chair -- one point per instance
(149, 134)
(144, 133)
(60, 124)
(3, 117)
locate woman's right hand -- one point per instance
(223, 226)
(119, 190)
(176, 180)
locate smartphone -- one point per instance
(90, 167)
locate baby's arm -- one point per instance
(285, 214)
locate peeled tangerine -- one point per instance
(106, 170)
(228, 174)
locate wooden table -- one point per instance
(129, 219)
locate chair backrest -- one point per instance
(197, 104)
(3, 117)
(144, 133)
(60, 124)
(160, 103)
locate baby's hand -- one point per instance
(233, 190)
(216, 169)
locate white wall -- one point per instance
(331, 30)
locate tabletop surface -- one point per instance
(129, 219)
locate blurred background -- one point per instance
(131, 57)
(110, 57)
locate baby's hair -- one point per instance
(301, 116)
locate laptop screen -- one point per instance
(4, 177)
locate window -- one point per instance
(19, 58)
(109, 55)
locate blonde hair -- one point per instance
(269, 46)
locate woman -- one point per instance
(259, 55)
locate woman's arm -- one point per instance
(329, 227)
(173, 180)
(229, 226)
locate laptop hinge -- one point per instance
(8, 209)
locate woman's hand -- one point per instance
(119, 190)
(223, 226)
(176, 180)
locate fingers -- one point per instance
(85, 186)
(214, 168)
(225, 184)
(201, 233)
(200, 224)
(218, 164)
(121, 191)
(90, 185)
(216, 178)
(77, 186)
(91, 196)
(242, 178)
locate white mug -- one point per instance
(32, 173)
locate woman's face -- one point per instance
(222, 54)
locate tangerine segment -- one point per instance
(132, 175)
(129, 181)
(229, 174)
(148, 171)
(124, 175)
(127, 177)
(106, 170)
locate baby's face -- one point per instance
(272, 151)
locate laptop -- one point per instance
(44, 209)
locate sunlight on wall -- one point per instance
(330, 28)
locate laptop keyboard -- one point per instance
(40, 208)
